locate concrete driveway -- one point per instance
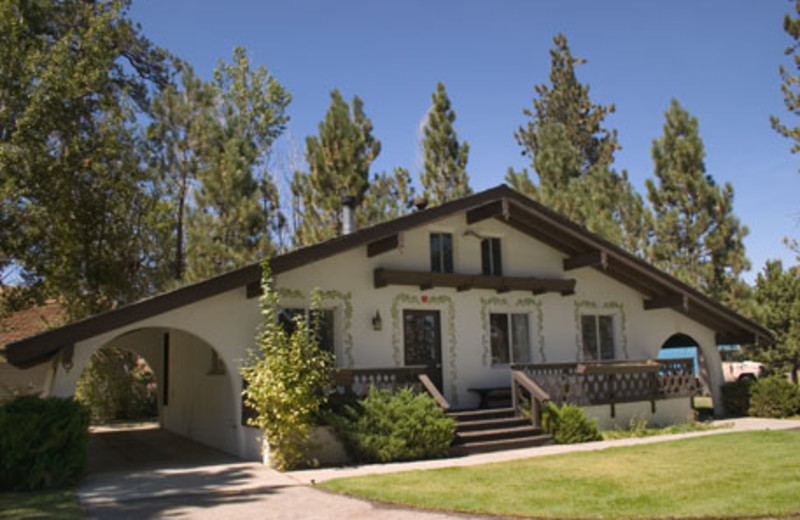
(146, 472)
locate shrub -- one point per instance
(388, 427)
(568, 424)
(117, 385)
(774, 396)
(42, 442)
(285, 376)
(736, 396)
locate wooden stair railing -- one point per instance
(429, 387)
(520, 381)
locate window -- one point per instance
(597, 332)
(441, 252)
(510, 338)
(325, 334)
(490, 257)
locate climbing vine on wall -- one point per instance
(413, 299)
(521, 303)
(614, 307)
(345, 299)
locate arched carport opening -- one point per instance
(684, 346)
(195, 401)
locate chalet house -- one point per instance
(471, 294)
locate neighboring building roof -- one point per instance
(28, 322)
(583, 248)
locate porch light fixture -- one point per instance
(377, 323)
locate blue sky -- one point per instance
(720, 59)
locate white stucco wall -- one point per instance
(668, 411)
(227, 323)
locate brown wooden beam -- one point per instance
(253, 290)
(668, 301)
(497, 208)
(428, 280)
(730, 338)
(596, 258)
(383, 245)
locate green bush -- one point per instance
(388, 427)
(42, 442)
(736, 396)
(568, 424)
(774, 396)
(117, 385)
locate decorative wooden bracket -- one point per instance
(668, 301)
(596, 258)
(383, 245)
(498, 208)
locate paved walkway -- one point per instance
(155, 474)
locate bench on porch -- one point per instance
(492, 395)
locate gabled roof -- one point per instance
(583, 248)
(28, 322)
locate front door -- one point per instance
(422, 339)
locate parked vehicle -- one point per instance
(742, 370)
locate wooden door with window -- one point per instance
(422, 340)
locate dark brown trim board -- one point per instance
(501, 203)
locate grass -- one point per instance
(40, 505)
(735, 474)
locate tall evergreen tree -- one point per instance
(698, 237)
(790, 86)
(572, 153)
(80, 213)
(444, 177)
(236, 211)
(389, 196)
(179, 139)
(777, 297)
(339, 159)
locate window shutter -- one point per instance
(497, 260)
(486, 257)
(447, 257)
(606, 325)
(589, 337)
(436, 253)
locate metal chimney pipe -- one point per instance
(348, 214)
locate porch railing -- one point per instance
(611, 382)
(527, 398)
(356, 382)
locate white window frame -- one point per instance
(598, 337)
(511, 337)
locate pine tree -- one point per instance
(339, 159)
(236, 211)
(389, 196)
(179, 138)
(777, 296)
(81, 218)
(790, 86)
(698, 238)
(572, 154)
(445, 176)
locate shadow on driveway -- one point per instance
(145, 472)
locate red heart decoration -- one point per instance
(424, 299)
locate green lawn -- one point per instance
(735, 474)
(40, 505)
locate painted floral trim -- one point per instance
(345, 299)
(522, 303)
(606, 306)
(424, 299)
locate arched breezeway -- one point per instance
(681, 345)
(197, 388)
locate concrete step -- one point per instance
(489, 424)
(514, 432)
(500, 445)
(482, 415)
